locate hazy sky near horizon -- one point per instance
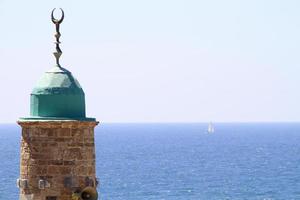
(159, 60)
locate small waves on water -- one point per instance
(183, 162)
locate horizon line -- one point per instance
(181, 122)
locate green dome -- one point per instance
(57, 95)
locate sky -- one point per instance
(159, 60)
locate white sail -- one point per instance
(210, 128)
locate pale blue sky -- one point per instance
(159, 60)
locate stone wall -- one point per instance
(57, 159)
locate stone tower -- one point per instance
(57, 146)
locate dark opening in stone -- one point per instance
(51, 198)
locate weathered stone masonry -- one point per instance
(61, 153)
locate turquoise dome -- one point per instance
(57, 95)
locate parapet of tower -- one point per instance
(57, 146)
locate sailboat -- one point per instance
(210, 128)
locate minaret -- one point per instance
(57, 146)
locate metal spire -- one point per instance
(57, 35)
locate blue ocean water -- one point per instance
(182, 162)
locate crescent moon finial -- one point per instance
(57, 21)
(57, 35)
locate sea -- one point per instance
(181, 161)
